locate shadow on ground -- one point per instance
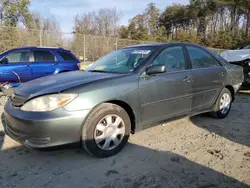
(135, 166)
(236, 127)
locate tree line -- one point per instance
(216, 23)
(221, 24)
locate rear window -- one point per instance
(43, 56)
(66, 56)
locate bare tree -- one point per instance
(105, 22)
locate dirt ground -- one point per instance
(192, 152)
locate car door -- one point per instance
(168, 94)
(66, 61)
(44, 63)
(208, 75)
(16, 67)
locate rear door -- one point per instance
(66, 61)
(18, 67)
(168, 94)
(44, 63)
(208, 75)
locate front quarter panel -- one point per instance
(90, 95)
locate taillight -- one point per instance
(79, 66)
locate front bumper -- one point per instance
(43, 129)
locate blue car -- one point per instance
(24, 64)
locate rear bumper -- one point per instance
(43, 129)
(246, 78)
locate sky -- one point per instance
(64, 11)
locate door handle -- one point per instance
(187, 79)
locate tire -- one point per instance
(92, 138)
(222, 113)
(2, 99)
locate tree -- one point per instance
(85, 24)
(102, 23)
(132, 30)
(14, 11)
(152, 15)
(137, 29)
(176, 17)
(160, 35)
(141, 33)
(123, 32)
(51, 32)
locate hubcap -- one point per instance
(109, 132)
(225, 103)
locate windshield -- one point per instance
(246, 47)
(121, 61)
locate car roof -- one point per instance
(39, 48)
(163, 44)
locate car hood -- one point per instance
(236, 55)
(60, 82)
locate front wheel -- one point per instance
(223, 104)
(106, 130)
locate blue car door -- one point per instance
(44, 63)
(15, 67)
(67, 62)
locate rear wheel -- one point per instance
(106, 130)
(223, 104)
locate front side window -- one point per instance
(173, 58)
(201, 59)
(121, 61)
(18, 57)
(43, 56)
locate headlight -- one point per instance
(48, 102)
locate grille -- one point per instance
(18, 100)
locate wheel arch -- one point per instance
(62, 71)
(129, 110)
(231, 89)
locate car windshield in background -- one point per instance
(121, 61)
(246, 47)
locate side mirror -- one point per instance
(156, 69)
(4, 61)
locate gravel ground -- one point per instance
(191, 152)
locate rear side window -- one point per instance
(45, 56)
(201, 59)
(66, 56)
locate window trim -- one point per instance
(33, 56)
(190, 61)
(187, 68)
(16, 51)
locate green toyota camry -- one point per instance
(121, 93)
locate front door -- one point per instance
(16, 67)
(208, 75)
(169, 94)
